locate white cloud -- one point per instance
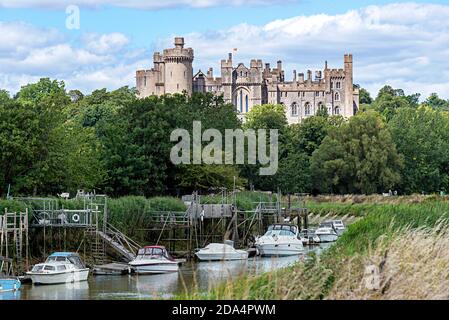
(404, 45)
(138, 4)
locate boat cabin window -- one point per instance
(49, 268)
(152, 252)
(60, 268)
(38, 268)
(76, 261)
(56, 258)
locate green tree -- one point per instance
(422, 136)
(364, 96)
(357, 157)
(435, 102)
(389, 100)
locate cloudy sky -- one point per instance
(404, 44)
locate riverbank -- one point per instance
(401, 243)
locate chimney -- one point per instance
(230, 56)
(309, 75)
(179, 42)
(294, 75)
(279, 65)
(210, 73)
(301, 77)
(267, 66)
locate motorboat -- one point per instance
(326, 232)
(8, 283)
(339, 226)
(153, 260)
(308, 236)
(60, 267)
(221, 251)
(280, 240)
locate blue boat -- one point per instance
(8, 283)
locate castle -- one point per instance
(244, 87)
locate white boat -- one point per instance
(339, 226)
(326, 232)
(280, 240)
(60, 267)
(308, 236)
(221, 251)
(57, 272)
(153, 260)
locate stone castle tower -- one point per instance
(172, 72)
(245, 87)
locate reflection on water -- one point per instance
(202, 275)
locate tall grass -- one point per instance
(384, 227)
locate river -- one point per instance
(200, 275)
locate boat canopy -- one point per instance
(153, 251)
(69, 257)
(283, 229)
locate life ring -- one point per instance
(76, 218)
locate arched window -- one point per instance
(241, 101)
(307, 109)
(294, 109)
(246, 103)
(337, 110)
(337, 96)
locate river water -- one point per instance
(200, 275)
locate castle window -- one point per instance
(317, 94)
(307, 109)
(337, 96)
(337, 110)
(338, 85)
(246, 98)
(241, 101)
(145, 81)
(332, 85)
(294, 110)
(303, 94)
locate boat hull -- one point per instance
(155, 268)
(271, 249)
(203, 256)
(58, 278)
(328, 237)
(9, 285)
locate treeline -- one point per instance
(54, 141)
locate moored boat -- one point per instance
(60, 267)
(280, 240)
(326, 232)
(8, 283)
(153, 260)
(221, 252)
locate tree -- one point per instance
(357, 157)
(364, 96)
(422, 136)
(389, 100)
(435, 102)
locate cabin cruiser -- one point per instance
(8, 283)
(338, 226)
(60, 267)
(280, 240)
(326, 232)
(154, 259)
(221, 251)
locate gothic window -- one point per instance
(317, 94)
(337, 96)
(307, 109)
(241, 101)
(332, 85)
(338, 85)
(303, 94)
(145, 81)
(241, 73)
(246, 103)
(337, 110)
(294, 109)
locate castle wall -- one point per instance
(246, 87)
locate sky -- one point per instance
(401, 43)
